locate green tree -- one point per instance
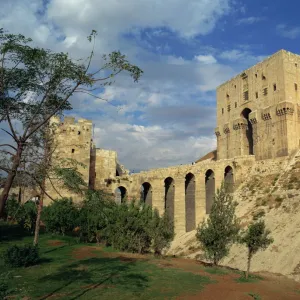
(60, 216)
(221, 229)
(97, 208)
(36, 84)
(161, 231)
(256, 238)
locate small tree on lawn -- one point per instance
(255, 238)
(221, 228)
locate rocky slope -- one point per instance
(272, 192)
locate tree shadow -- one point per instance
(55, 249)
(12, 232)
(87, 275)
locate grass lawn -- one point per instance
(65, 272)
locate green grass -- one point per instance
(254, 296)
(66, 277)
(216, 270)
(251, 278)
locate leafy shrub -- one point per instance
(24, 214)
(129, 226)
(21, 256)
(3, 288)
(94, 215)
(61, 216)
(162, 232)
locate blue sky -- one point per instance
(186, 48)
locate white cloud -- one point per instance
(250, 20)
(205, 59)
(288, 32)
(245, 56)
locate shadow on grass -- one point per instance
(83, 276)
(12, 232)
(55, 249)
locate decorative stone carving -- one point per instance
(285, 108)
(240, 123)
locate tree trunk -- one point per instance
(38, 221)
(10, 179)
(248, 264)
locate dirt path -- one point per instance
(272, 287)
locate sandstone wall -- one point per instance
(257, 111)
(72, 140)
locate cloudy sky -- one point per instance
(186, 48)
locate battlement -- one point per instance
(70, 121)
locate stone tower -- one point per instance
(258, 111)
(72, 140)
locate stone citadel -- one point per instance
(258, 115)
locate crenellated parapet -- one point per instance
(226, 128)
(266, 114)
(285, 108)
(240, 123)
(217, 132)
(253, 117)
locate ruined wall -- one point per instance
(256, 110)
(72, 140)
(106, 166)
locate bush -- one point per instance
(128, 227)
(162, 232)
(133, 227)
(94, 215)
(24, 214)
(61, 216)
(21, 256)
(3, 288)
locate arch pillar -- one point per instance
(158, 195)
(219, 177)
(179, 206)
(200, 204)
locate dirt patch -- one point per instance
(56, 243)
(272, 287)
(85, 252)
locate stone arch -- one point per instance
(120, 194)
(169, 197)
(228, 179)
(249, 131)
(190, 209)
(209, 189)
(146, 193)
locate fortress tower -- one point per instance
(258, 111)
(72, 140)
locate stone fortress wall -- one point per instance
(258, 117)
(265, 100)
